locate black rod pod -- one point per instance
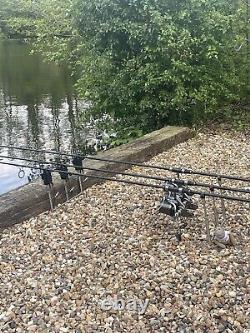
(46, 176)
(77, 162)
(63, 171)
(144, 184)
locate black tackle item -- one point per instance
(167, 208)
(63, 171)
(178, 236)
(47, 177)
(177, 203)
(77, 162)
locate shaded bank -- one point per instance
(38, 104)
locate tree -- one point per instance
(158, 62)
(55, 35)
(149, 62)
(17, 17)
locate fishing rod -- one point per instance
(176, 203)
(179, 182)
(48, 181)
(70, 173)
(157, 186)
(177, 170)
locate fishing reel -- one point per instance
(176, 203)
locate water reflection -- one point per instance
(38, 106)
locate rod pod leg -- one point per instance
(50, 197)
(66, 190)
(216, 215)
(80, 183)
(178, 234)
(203, 197)
(223, 206)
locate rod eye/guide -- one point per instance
(21, 173)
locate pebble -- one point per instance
(232, 294)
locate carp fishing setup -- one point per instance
(178, 199)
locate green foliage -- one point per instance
(237, 116)
(146, 62)
(157, 62)
(45, 23)
(125, 135)
(56, 38)
(17, 18)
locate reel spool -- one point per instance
(168, 207)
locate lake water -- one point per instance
(38, 107)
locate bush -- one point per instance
(161, 62)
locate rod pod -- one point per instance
(216, 215)
(223, 206)
(203, 198)
(177, 182)
(177, 170)
(64, 174)
(46, 176)
(161, 186)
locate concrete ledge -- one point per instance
(31, 200)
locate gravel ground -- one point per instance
(111, 243)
